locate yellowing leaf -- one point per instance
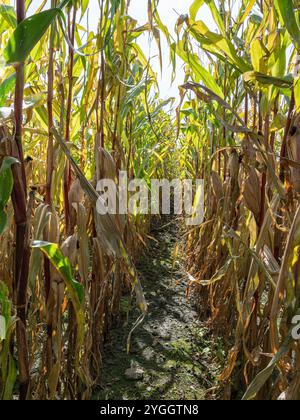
(194, 9)
(199, 71)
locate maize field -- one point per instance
(79, 105)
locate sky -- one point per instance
(169, 11)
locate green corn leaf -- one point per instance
(8, 14)
(200, 72)
(6, 87)
(75, 289)
(216, 15)
(6, 180)
(218, 45)
(264, 79)
(6, 187)
(195, 7)
(27, 35)
(84, 6)
(246, 11)
(286, 12)
(64, 3)
(63, 266)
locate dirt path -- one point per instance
(173, 348)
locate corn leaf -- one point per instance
(216, 15)
(63, 266)
(218, 44)
(6, 187)
(200, 72)
(265, 374)
(286, 12)
(5, 88)
(247, 11)
(194, 9)
(27, 35)
(7, 364)
(268, 80)
(8, 14)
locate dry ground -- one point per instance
(176, 351)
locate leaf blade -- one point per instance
(27, 35)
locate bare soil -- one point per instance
(176, 351)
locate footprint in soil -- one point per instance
(163, 349)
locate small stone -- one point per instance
(283, 396)
(165, 335)
(134, 374)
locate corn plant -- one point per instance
(76, 106)
(240, 127)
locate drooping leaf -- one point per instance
(269, 80)
(194, 9)
(84, 6)
(218, 45)
(216, 15)
(63, 266)
(200, 72)
(75, 289)
(246, 11)
(27, 35)
(265, 374)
